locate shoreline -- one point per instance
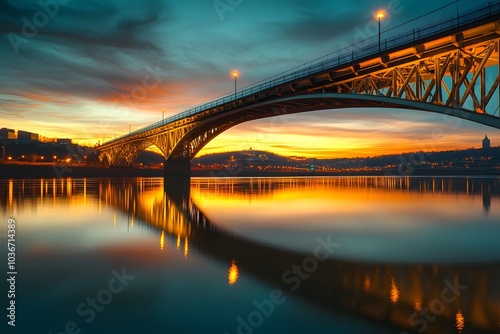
(8, 171)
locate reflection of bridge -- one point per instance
(386, 293)
(449, 66)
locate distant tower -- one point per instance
(486, 142)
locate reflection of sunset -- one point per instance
(320, 197)
(232, 275)
(394, 291)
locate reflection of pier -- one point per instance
(401, 296)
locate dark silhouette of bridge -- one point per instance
(448, 66)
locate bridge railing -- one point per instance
(454, 15)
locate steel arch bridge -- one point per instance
(451, 67)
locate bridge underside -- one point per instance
(458, 77)
(197, 136)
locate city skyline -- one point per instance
(106, 74)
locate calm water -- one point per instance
(254, 255)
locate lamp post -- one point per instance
(129, 127)
(3, 152)
(235, 75)
(380, 15)
(163, 114)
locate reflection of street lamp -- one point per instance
(380, 15)
(235, 75)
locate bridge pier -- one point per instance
(177, 179)
(177, 168)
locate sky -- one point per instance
(87, 69)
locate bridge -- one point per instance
(449, 66)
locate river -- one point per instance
(253, 255)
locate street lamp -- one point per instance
(235, 75)
(129, 127)
(380, 15)
(163, 114)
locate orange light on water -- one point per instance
(418, 305)
(232, 274)
(162, 240)
(394, 291)
(178, 243)
(460, 321)
(186, 247)
(367, 283)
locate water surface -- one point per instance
(256, 255)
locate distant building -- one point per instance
(64, 141)
(25, 135)
(486, 142)
(7, 133)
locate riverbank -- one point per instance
(48, 171)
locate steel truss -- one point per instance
(464, 78)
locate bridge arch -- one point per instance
(197, 137)
(129, 152)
